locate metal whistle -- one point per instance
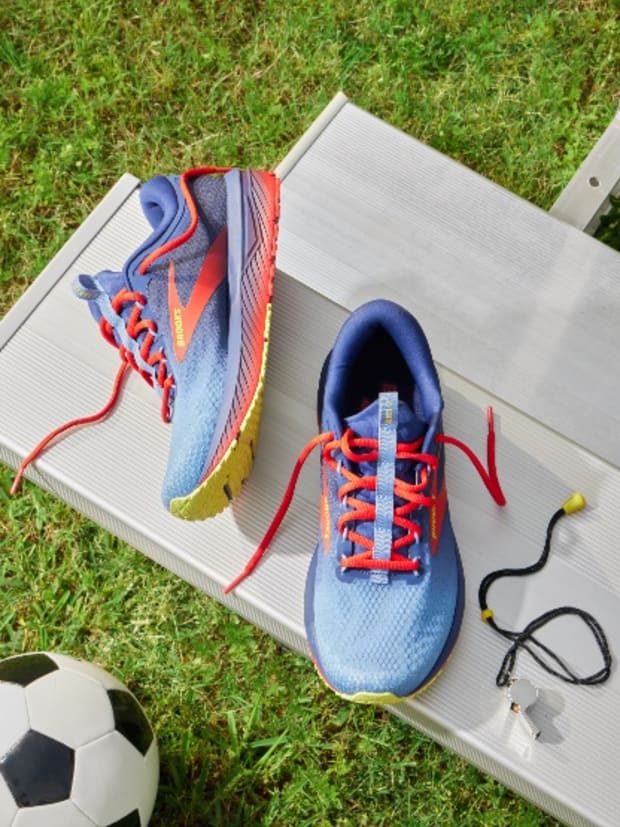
(522, 695)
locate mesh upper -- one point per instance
(382, 637)
(214, 381)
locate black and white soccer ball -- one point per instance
(76, 749)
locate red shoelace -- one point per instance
(135, 326)
(356, 450)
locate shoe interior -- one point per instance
(377, 367)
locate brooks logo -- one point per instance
(178, 327)
(184, 317)
(434, 521)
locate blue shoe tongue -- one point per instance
(366, 422)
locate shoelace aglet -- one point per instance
(497, 492)
(18, 477)
(490, 420)
(247, 571)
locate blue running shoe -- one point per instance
(190, 312)
(385, 590)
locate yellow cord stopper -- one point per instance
(574, 503)
(485, 614)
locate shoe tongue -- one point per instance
(365, 423)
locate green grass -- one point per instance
(608, 230)
(520, 91)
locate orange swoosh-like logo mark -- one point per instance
(184, 318)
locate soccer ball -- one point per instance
(76, 749)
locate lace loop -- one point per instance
(412, 496)
(490, 478)
(362, 511)
(136, 326)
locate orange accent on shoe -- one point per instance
(184, 318)
(438, 510)
(258, 289)
(191, 205)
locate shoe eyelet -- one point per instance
(344, 547)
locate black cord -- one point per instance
(544, 656)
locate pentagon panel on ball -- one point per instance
(76, 747)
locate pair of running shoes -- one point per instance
(190, 312)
